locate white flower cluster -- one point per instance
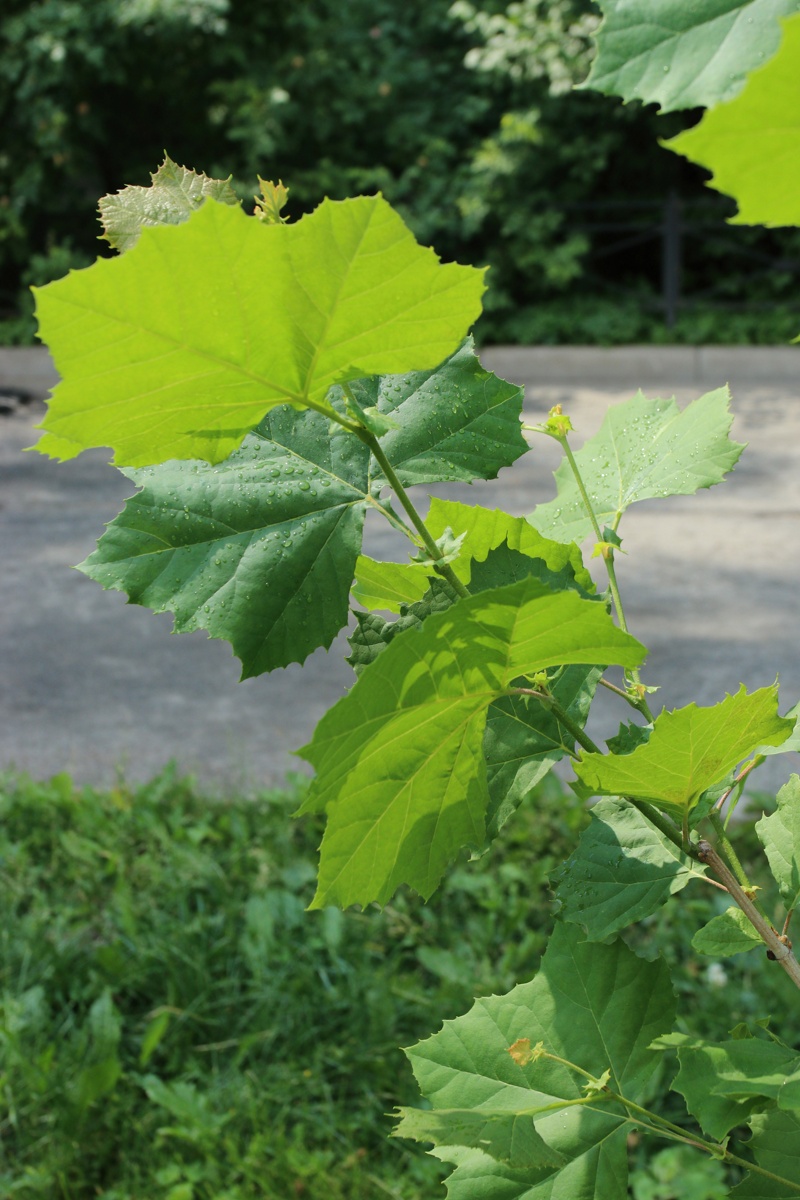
(208, 15)
(532, 39)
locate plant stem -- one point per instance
(648, 811)
(626, 696)
(608, 559)
(442, 568)
(778, 949)
(658, 1125)
(561, 715)
(731, 855)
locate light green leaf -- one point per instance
(752, 145)
(399, 761)
(523, 739)
(688, 750)
(172, 197)
(622, 870)
(726, 934)
(683, 55)
(506, 1138)
(775, 1145)
(180, 346)
(644, 449)
(579, 1007)
(388, 585)
(779, 834)
(792, 743)
(259, 550)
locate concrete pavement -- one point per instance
(711, 582)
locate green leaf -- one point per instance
(775, 1145)
(508, 1139)
(683, 55)
(259, 550)
(399, 760)
(579, 1007)
(724, 1083)
(180, 346)
(688, 750)
(644, 449)
(388, 585)
(780, 837)
(523, 739)
(752, 145)
(172, 197)
(726, 934)
(458, 422)
(622, 870)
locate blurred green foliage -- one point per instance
(461, 114)
(174, 1025)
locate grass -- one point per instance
(175, 1026)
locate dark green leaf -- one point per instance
(506, 1138)
(684, 55)
(622, 870)
(259, 550)
(780, 837)
(458, 421)
(775, 1145)
(726, 934)
(524, 740)
(579, 1007)
(724, 1083)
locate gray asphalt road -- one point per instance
(94, 687)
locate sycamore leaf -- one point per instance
(172, 197)
(705, 1068)
(726, 934)
(179, 347)
(271, 201)
(683, 55)
(775, 1145)
(523, 739)
(388, 585)
(259, 550)
(622, 870)
(780, 837)
(688, 750)
(507, 1138)
(644, 449)
(579, 1007)
(752, 145)
(399, 761)
(458, 422)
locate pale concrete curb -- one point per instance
(30, 368)
(676, 366)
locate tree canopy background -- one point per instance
(464, 117)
